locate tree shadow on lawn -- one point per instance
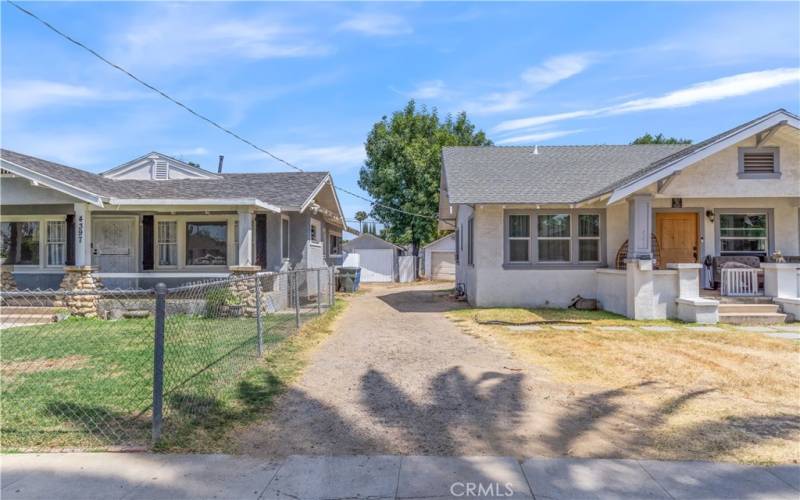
(704, 440)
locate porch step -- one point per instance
(741, 308)
(753, 318)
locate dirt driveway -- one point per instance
(398, 377)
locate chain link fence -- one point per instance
(125, 368)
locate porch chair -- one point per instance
(622, 253)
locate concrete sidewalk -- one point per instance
(145, 475)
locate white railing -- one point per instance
(740, 282)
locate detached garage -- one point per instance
(440, 258)
(378, 258)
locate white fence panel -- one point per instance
(739, 282)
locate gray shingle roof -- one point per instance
(557, 174)
(287, 190)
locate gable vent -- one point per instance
(758, 162)
(160, 170)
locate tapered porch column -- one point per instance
(83, 244)
(245, 238)
(640, 209)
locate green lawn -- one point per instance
(87, 383)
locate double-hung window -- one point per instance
(167, 243)
(519, 238)
(744, 233)
(588, 238)
(335, 247)
(19, 243)
(553, 238)
(56, 242)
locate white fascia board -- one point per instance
(325, 181)
(705, 152)
(52, 183)
(196, 201)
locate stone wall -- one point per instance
(81, 279)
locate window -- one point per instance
(56, 242)
(285, 238)
(743, 234)
(167, 243)
(335, 247)
(759, 162)
(470, 241)
(458, 245)
(19, 242)
(553, 238)
(519, 238)
(206, 243)
(588, 238)
(315, 231)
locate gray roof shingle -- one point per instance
(287, 190)
(557, 174)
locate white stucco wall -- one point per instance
(611, 291)
(665, 291)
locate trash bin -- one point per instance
(348, 279)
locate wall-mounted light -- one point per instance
(710, 215)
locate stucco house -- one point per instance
(632, 226)
(157, 219)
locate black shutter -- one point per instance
(148, 242)
(261, 240)
(70, 261)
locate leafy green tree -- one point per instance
(403, 165)
(659, 139)
(361, 216)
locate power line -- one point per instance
(200, 116)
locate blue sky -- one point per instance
(308, 80)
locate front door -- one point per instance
(112, 245)
(677, 237)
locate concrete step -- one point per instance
(747, 308)
(752, 318)
(13, 310)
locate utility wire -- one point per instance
(200, 116)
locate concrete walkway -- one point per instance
(151, 476)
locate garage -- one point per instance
(377, 258)
(440, 258)
(443, 266)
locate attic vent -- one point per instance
(160, 170)
(759, 162)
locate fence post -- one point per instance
(158, 361)
(332, 285)
(296, 300)
(259, 325)
(319, 291)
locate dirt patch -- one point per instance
(11, 369)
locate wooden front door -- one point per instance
(677, 237)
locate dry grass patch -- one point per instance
(724, 396)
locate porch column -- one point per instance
(83, 247)
(245, 238)
(640, 210)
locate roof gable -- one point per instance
(157, 166)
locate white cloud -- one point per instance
(211, 33)
(26, 95)
(713, 90)
(538, 137)
(497, 102)
(198, 151)
(75, 149)
(555, 69)
(377, 24)
(431, 89)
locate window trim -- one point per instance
(569, 238)
(182, 220)
(62, 243)
(770, 212)
(507, 239)
(776, 172)
(533, 248)
(471, 241)
(42, 220)
(578, 239)
(228, 242)
(157, 242)
(337, 234)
